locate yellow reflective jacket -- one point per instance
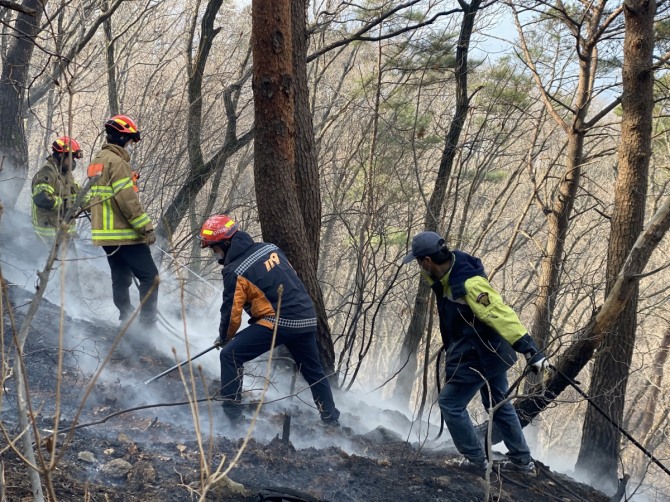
(117, 217)
(51, 192)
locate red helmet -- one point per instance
(65, 144)
(125, 125)
(217, 228)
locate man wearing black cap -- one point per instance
(481, 335)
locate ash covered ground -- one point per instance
(153, 452)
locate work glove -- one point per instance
(537, 362)
(150, 237)
(218, 343)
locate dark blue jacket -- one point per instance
(252, 273)
(477, 327)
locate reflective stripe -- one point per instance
(107, 215)
(140, 221)
(43, 187)
(292, 323)
(45, 231)
(119, 185)
(254, 257)
(105, 193)
(109, 235)
(101, 190)
(51, 231)
(48, 231)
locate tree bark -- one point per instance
(13, 85)
(559, 211)
(433, 217)
(112, 88)
(274, 146)
(306, 165)
(308, 183)
(600, 445)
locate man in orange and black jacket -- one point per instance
(252, 274)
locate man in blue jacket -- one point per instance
(481, 335)
(252, 273)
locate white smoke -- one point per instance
(362, 410)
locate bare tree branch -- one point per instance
(17, 7)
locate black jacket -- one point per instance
(252, 274)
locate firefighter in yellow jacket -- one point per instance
(119, 223)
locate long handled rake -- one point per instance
(179, 365)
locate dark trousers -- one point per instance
(253, 341)
(453, 401)
(126, 262)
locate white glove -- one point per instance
(538, 363)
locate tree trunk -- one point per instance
(560, 211)
(558, 223)
(307, 177)
(112, 89)
(575, 126)
(306, 166)
(599, 452)
(13, 84)
(433, 217)
(274, 146)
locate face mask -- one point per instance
(64, 166)
(224, 247)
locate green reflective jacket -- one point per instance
(51, 192)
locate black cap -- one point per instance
(424, 244)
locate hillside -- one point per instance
(153, 454)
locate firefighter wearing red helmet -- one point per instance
(54, 188)
(119, 223)
(252, 273)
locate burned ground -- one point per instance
(151, 455)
